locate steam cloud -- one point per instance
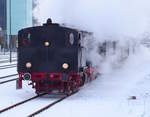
(108, 19)
(103, 17)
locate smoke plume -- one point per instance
(121, 20)
(105, 18)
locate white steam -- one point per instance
(123, 20)
(103, 17)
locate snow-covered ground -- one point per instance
(107, 96)
(8, 63)
(6, 55)
(8, 71)
(110, 94)
(12, 96)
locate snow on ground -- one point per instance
(8, 63)
(107, 96)
(8, 71)
(9, 94)
(7, 55)
(110, 94)
(12, 96)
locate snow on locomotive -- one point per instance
(53, 58)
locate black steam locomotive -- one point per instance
(53, 58)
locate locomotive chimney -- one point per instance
(48, 22)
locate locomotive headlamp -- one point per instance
(47, 43)
(28, 65)
(65, 66)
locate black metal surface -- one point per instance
(51, 58)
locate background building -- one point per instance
(20, 14)
(3, 14)
(14, 15)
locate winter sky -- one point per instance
(103, 17)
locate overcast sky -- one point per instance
(103, 17)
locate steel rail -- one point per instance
(3, 77)
(11, 66)
(3, 82)
(20, 103)
(7, 65)
(49, 105)
(7, 61)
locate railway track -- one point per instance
(6, 81)
(7, 57)
(9, 80)
(8, 76)
(49, 105)
(7, 61)
(7, 66)
(22, 103)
